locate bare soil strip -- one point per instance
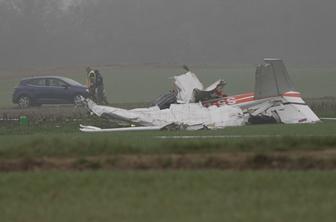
(287, 160)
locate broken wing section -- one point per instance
(272, 79)
(212, 117)
(136, 116)
(214, 91)
(185, 85)
(190, 114)
(191, 90)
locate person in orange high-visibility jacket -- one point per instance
(91, 83)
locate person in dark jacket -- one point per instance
(100, 92)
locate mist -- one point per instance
(37, 33)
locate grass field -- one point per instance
(168, 196)
(142, 83)
(68, 141)
(91, 184)
(309, 146)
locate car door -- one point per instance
(59, 91)
(38, 90)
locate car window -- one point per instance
(37, 82)
(55, 82)
(72, 82)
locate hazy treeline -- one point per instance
(68, 32)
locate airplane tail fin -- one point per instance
(272, 79)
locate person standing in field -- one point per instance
(95, 84)
(100, 92)
(91, 83)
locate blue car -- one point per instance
(40, 90)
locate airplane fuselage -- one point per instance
(288, 107)
(247, 100)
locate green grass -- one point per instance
(323, 107)
(168, 196)
(68, 141)
(125, 84)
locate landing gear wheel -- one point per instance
(24, 102)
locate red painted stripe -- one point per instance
(243, 95)
(243, 98)
(292, 94)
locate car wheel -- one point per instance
(77, 100)
(24, 102)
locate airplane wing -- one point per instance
(93, 129)
(191, 115)
(123, 115)
(168, 127)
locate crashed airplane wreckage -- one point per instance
(191, 106)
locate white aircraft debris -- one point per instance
(191, 106)
(191, 116)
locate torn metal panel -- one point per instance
(284, 109)
(185, 85)
(214, 91)
(295, 110)
(190, 89)
(218, 84)
(164, 101)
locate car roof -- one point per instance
(64, 79)
(45, 77)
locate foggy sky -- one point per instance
(37, 33)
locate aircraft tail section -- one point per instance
(272, 79)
